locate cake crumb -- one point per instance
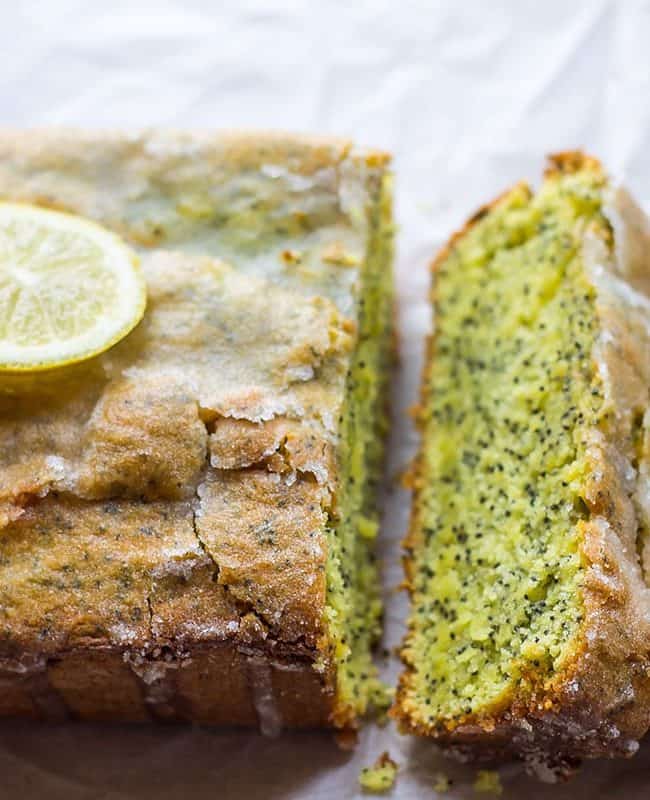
(381, 776)
(291, 256)
(441, 783)
(335, 253)
(381, 697)
(488, 782)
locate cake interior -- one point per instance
(509, 396)
(353, 593)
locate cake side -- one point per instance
(242, 545)
(229, 399)
(594, 698)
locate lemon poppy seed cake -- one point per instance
(528, 554)
(188, 518)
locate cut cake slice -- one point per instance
(528, 556)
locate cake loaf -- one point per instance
(188, 520)
(528, 557)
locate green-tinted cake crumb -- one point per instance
(381, 776)
(441, 783)
(381, 699)
(511, 398)
(353, 589)
(488, 782)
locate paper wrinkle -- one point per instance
(469, 97)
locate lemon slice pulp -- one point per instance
(69, 289)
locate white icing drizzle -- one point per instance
(152, 668)
(150, 671)
(621, 280)
(260, 676)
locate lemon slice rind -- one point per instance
(54, 258)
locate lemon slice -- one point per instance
(69, 289)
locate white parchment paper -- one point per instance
(469, 97)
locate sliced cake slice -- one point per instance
(528, 556)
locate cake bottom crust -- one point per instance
(209, 684)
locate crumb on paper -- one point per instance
(335, 253)
(441, 783)
(488, 781)
(291, 256)
(381, 699)
(381, 776)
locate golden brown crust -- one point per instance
(567, 162)
(163, 508)
(176, 643)
(599, 704)
(215, 684)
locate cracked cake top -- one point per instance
(196, 458)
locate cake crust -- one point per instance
(598, 704)
(164, 507)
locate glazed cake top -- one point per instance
(251, 247)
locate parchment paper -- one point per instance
(469, 97)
